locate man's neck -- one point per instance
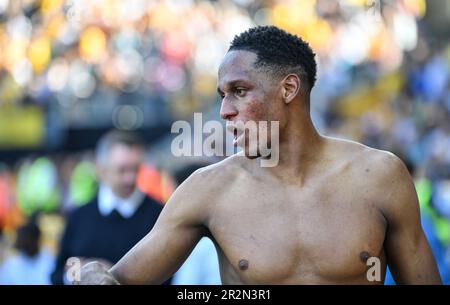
(300, 148)
(109, 201)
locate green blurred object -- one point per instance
(424, 189)
(441, 224)
(37, 187)
(83, 183)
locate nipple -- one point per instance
(364, 256)
(243, 264)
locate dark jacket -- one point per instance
(89, 234)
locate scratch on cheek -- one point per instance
(254, 110)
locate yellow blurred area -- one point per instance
(359, 2)
(183, 104)
(14, 51)
(21, 126)
(39, 53)
(54, 26)
(52, 226)
(109, 13)
(417, 7)
(50, 6)
(3, 39)
(164, 18)
(92, 44)
(205, 83)
(294, 15)
(318, 33)
(98, 32)
(361, 100)
(10, 90)
(299, 18)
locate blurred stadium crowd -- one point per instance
(384, 70)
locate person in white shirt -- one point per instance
(30, 264)
(106, 228)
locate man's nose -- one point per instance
(129, 178)
(228, 110)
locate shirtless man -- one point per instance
(315, 218)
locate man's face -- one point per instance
(248, 94)
(120, 169)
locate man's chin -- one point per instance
(251, 156)
(250, 153)
(127, 192)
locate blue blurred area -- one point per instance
(440, 251)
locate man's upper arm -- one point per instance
(409, 256)
(176, 232)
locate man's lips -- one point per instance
(230, 128)
(234, 129)
(237, 132)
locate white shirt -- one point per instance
(201, 267)
(20, 269)
(108, 201)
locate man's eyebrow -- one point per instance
(232, 83)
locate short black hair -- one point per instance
(28, 237)
(113, 137)
(278, 52)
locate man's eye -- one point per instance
(240, 92)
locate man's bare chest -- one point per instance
(279, 236)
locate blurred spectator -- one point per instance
(202, 265)
(31, 265)
(106, 228)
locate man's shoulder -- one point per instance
(202, 187)
(222, 170)
(371, 162)
(378, 176)
(382, 165)
(377, 173)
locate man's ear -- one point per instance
(290, 87)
